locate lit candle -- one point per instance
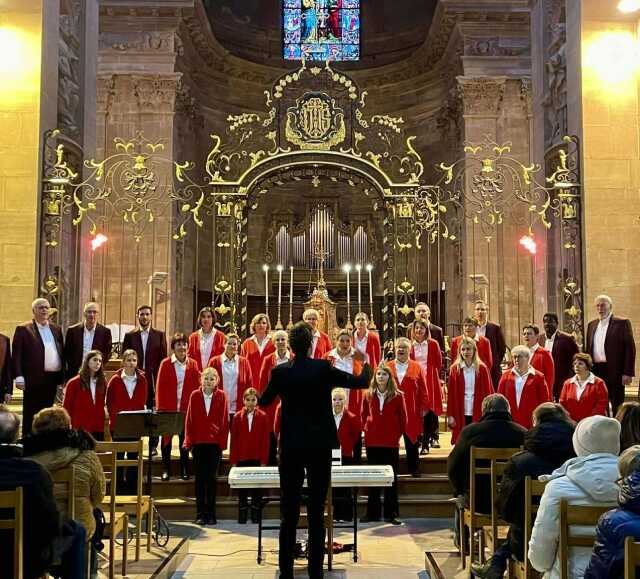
(265, 268)
(347, 269)
(279, 268)
(370, 269)
(291, 286)
(359, 270)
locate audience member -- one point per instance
(585, 394)
(493, 333)
(83, 337)
(349, 435)
(249, 447)
(562, 347)
(6, 383)
(206, 430)
(258, 346)
(234, 372)
(523, 386)
(426, 352)
(588, 479)
(178, 377)
(607, 558)
(84, 396)
(546, 447)
(469, 384)
(540, 359)
(384, 420)
(366, 341)
(411, 381)
(496, 429)
(41, 520)
(470, 330)
(56, 445)
(206, 342)
(610, 343)
(628, 416)
(37, 362)
(320, 343)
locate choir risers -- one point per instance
(267, 477)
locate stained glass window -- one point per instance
(321, 29)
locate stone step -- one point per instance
(183, 508)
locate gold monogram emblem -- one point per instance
(315, 122)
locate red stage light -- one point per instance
(529, 243)
(98, 241)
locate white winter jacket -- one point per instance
(584, 480)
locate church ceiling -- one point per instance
(252, 29)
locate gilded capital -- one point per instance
(481, 95)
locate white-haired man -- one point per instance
(85, 336)
(610, 344)
(37, 361)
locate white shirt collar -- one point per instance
(287, 355)
(207, 396)
(591, 379)
(125, 376)
(534, 347)
(338, 415)
(531, 370)
(145, 331)
(42, 326)
(336, 354)
(227, 360)
(316, 334)
(174, 360)
(84, 327)
(605, 321)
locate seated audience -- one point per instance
(41, 520)
(607, 559)
(469, 384)
(523, 386)
(84, 396)
(588, 479)
(470, 330)
(349, 430)
(628, 416)
(585, 394)
(546, 447)
(496, 429)
(250, 430)
(384, 419)
(178, 377)
(56, 445)
(206, 430)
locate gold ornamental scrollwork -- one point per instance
(315, 122)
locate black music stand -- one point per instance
(141, 423)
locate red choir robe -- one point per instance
(167, 387)
(193, 351)
(323, 346)
(593, 400)
(118, 398)
(251, 352)
(483, 346)
(416, 396)
(542, 361)
(534, 393)
(354, 395)
(245, 379)
(203, 428)
(455, 403)
(250, 445)
(373, 350)
(432, 374)
(276, 421)
(348, 432)
(384, 428)
(84, 412)
(265, 374)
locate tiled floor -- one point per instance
(229, 551)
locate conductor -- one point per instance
(307, 435)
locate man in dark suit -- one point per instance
(151, 346)
(6, 382)
(84, 337)
(493, 333)
(562, 347)
(37, 361)
(610, 343)
(423, 312)
(307, 435)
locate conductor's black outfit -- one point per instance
(307, 435)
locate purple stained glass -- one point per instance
(321, 29)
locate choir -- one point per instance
(215, 380)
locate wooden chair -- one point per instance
(631, 557)
(484, 462)
(533, 490)
(116, 521)
(576, 515)
(138, 505)
(64, 490)
(12, 500)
